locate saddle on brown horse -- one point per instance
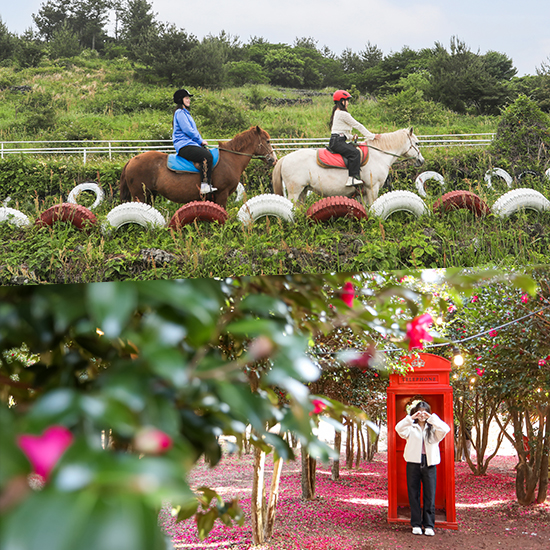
(326, 159)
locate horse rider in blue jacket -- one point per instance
(186, 137)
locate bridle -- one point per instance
(404, 155)
(261, 144)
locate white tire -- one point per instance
(88, 186)
(13, 216)
(396, 201)
(520, 199)
(497, 172)
(240, 192)
(135, 212)
(266, 205)
(425, 176)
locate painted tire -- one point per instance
(240, 192)
(87, 186)
(396, 201)
(425, 176)
(527, 173)
(266, 205)
(198, 210)
(497, 172)
(135, 212)
(520, 199)
(462, 199)
(336, 207)
(11, 215)
(80, 216)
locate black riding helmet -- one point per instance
(180, 94)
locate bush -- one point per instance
(523, 135)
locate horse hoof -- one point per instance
(11, 215)
(80, 216)
(266, 205)
(461, 199)
(198, 210)
(135, 212)
(87, 186)
(520, 199)
(396, 201)
(336, 207)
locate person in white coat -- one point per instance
(423, 432)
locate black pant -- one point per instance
(194, 153)
(426, 475)
(338, 144)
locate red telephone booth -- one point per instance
(430, 382)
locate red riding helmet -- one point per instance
(340, 95)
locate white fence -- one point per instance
(133, 147)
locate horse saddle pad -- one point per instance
(326, 159)
(179, 164)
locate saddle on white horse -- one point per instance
(327, 159)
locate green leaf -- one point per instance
(111, 304)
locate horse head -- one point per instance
(264, 149)
(412, 148)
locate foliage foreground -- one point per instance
(350, 514)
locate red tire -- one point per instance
(336, 207)
(461, 199)
(198, 210)
(80, 216)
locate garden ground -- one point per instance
(350, 514)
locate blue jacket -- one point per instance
(185, 130)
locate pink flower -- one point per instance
(451, 308)
(525, 298)
(480, 372)
(152, 441)
(417, 330)
(474, 299)
(362, 361)
(348, 294)
(542, 362)
(493, 333)
(44, 451)
(318, 406)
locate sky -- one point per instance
(519, 29)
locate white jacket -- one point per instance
(411, 431)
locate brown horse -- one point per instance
(145, 176)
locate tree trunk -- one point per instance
(359, 447)
(335, 466)
(372, 444)
(309, 466)
(349, 444)
(273, 498)
(258, 497)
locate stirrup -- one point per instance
(207, 188)
(352, 182)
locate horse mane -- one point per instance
(244, 139)
(389, 140)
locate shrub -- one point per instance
(523, 135)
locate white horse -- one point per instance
(299, 171)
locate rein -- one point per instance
(251, 155)
(393, 154)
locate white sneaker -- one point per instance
(207, 188)
(352, 182)
(429, 532)
(417, 530)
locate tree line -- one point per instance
(455, 76)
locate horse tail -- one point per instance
(277, 179)
(124, 190)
